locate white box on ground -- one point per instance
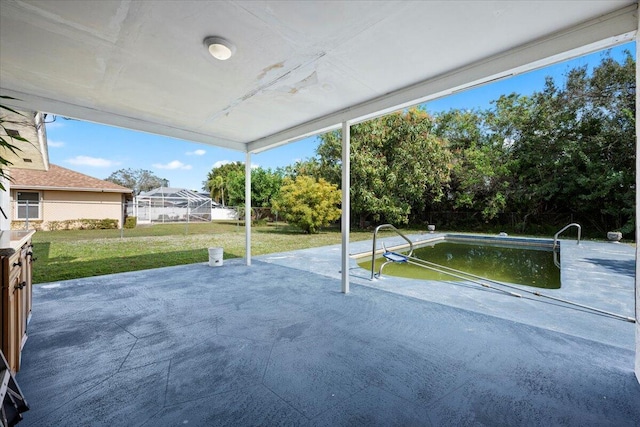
(215, 257)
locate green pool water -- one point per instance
(520, 265)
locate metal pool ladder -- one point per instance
(555, 240)
(373, 250)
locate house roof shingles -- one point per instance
(59, 178)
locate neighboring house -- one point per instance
(46, 198)
(32, 153)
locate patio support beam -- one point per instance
(247, 207)
(637, 236)
(605, 31)
(346, 205)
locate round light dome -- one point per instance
(219, 48)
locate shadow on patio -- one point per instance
(271, 345)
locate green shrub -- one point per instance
(131, 222)
(308, 203)
(54, 225)
(107, 224)
(33, 225)
(83, 224)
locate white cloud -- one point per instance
(176, 164)
(54, 144)
(91, 161)
(221, 163)
(196, 153)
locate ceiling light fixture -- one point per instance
(220, 48)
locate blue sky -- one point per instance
(99, 150)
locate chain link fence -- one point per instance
(67, 215)
(516, 223)
(49, 215)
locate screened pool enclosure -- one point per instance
(166, 204)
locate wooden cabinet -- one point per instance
(15, 301)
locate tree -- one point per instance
(265, 186)
(573, 146)
(235, 187)
(219, 180)
(479, 168)
(308, 203)
(308, 167)
(217, 189)
(229, 179)
(138, 180)
(605, 155)
(398, 166)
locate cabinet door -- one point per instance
(15, 304)
(11, 334)
(14, 318)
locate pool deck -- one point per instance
(276, 343)
(593, 274)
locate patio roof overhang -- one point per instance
(300, 68)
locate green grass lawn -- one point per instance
(70, 254)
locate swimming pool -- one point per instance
(521, 261)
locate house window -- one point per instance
(28, 205)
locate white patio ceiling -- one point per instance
(300, 67)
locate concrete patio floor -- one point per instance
(278, 344)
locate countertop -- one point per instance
(12, 240)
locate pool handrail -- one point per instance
(375, 235)
(573, 224)
(555, 240)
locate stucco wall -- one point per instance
(70, 205)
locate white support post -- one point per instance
(637, 236)
(5, 215)
(247, 205)
(123, 214)
(5, 205)
(346, 203)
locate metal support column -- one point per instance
(637, 236)
(346, 205)
(247, 206)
